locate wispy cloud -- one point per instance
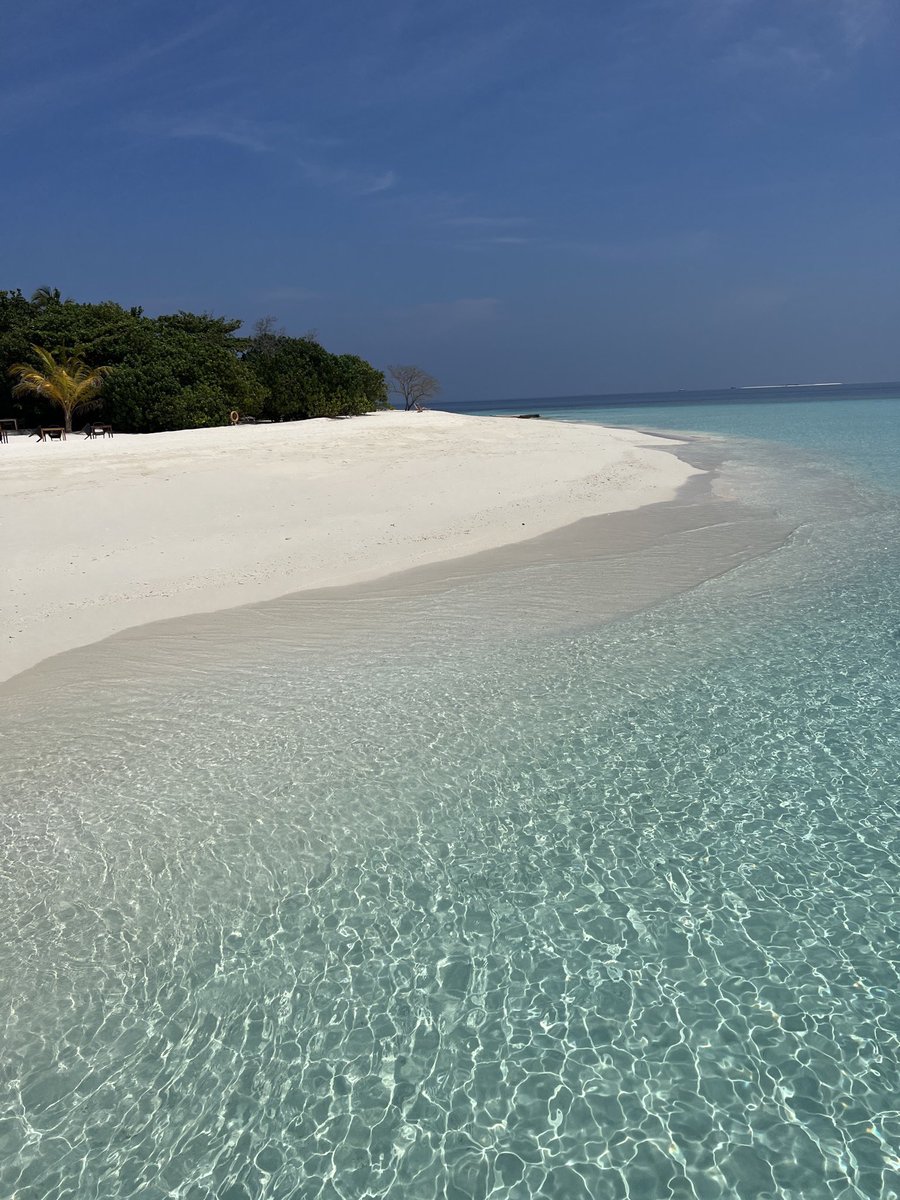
(260, 138)
(811, 40)
(489, 243)
(457, 53)
(20, 103)
(349, 179)
(680, 245)
(861, 21)
(486, 223)
(100, 58)
(483, 232)
(771, 50)
(235, 132)
(379, 183)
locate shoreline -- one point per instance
(585, 572)
(103, 537)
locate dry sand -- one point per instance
(99, 536)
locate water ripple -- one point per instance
(608, 915)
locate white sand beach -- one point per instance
(103, 535)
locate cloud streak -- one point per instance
(688, 244)
(23, 102)
(486, 223)
(861, 21)
(258, 138)
(770, 50)
(453, 55)
(811, 40)
(347, 179)
(244, 134)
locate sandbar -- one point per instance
(104, 535)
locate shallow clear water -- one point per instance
(447, 913)
(852, 427)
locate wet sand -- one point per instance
(103, 536)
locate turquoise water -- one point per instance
(853, 427)
(428, 911)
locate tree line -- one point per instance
(179, 371)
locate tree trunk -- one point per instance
(68, 412)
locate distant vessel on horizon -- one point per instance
(762, 387)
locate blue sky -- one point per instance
(525, 198)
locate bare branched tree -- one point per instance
(266, 332)
(268, 327)
(413, 385)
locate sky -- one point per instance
(524, 198)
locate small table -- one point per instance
(51, 433)
(9, 423)
(95, 431)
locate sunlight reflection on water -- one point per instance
(455, 912)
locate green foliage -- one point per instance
(181, 370)
(302, 379)
(364, 387)
(180, 375)
(16, 339)
(65, 380)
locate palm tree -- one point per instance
(46, 295)
(65, 380)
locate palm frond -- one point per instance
(30, 380)
(63, 378)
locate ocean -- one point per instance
(441, 897)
